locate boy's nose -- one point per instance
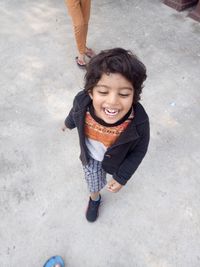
(113, 99)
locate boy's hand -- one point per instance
(113, 186)
(64, 128)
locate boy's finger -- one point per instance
(63, 129)
(108, 186)
(110, 190)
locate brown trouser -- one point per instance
(79, 10)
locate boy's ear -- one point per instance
(90, 94)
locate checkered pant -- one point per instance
(95, 176)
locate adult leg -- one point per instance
(85, 7)
(79, 11)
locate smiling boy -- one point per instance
(113, 126)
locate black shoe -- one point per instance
(92, 211)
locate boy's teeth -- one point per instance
(109, 111)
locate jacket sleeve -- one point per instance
(134, 158)
(69, 121)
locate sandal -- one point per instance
(53, 261)
(80, 63)
(89, 53)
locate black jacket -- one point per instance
(122, 158)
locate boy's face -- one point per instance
(112, 97)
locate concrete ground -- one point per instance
(155, 220)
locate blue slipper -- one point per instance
(53, 261)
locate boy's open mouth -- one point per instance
(111, 112)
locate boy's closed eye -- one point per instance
(102, 92)
(120, 94)
(124, 95)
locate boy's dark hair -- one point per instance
(116, 60)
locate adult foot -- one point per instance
(89, 52)
(80, 62)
